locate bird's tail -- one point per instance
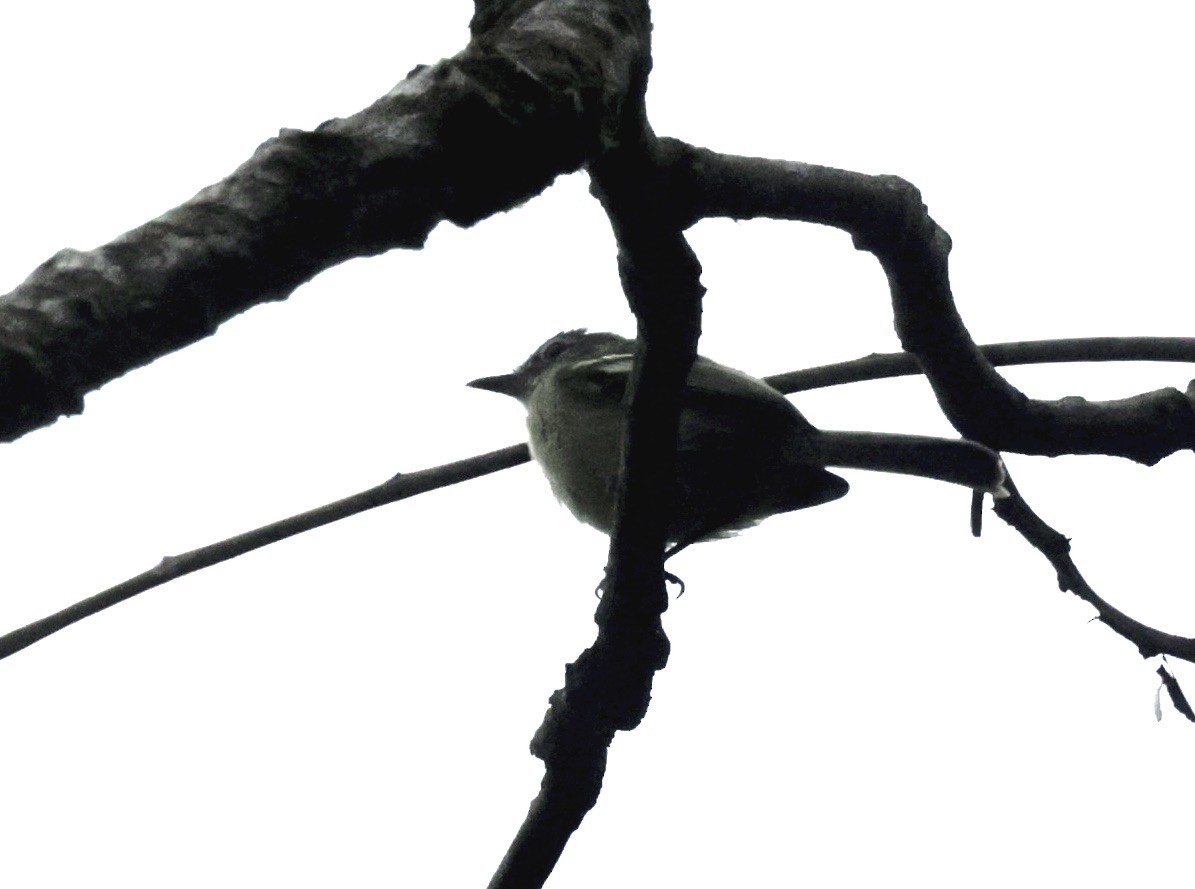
(949, 460)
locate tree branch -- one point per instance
(1056, 547)
(397, 488)
(534, 96)
(879, 366)
(885, 216)
(608, 688)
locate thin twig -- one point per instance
(902, 364)
(171, 567)
(1056, 547)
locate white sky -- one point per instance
(858, 695)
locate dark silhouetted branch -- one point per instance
(1055, 547)
(886, 217)
(400, 487)
(902, 364)
(530, 98)
(608, 688)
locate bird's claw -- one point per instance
(669, 577)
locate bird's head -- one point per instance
(567, 346)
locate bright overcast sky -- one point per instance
(858, 695)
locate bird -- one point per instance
(744, 451)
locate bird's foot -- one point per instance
(669, 577)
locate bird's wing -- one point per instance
(716, 390)
(722, 396)
(600, 380)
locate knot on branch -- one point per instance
(606, 690)
(896, 218)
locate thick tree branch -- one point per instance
(608, 688)
(885, 216)
(534, 96)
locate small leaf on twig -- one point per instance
(1176, 695)
(976, 513)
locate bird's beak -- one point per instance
(506, 384)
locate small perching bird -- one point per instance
(744, 452)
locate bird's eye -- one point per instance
(554, 348)
(551, 350)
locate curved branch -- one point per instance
(885, 216)
(880, 366)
